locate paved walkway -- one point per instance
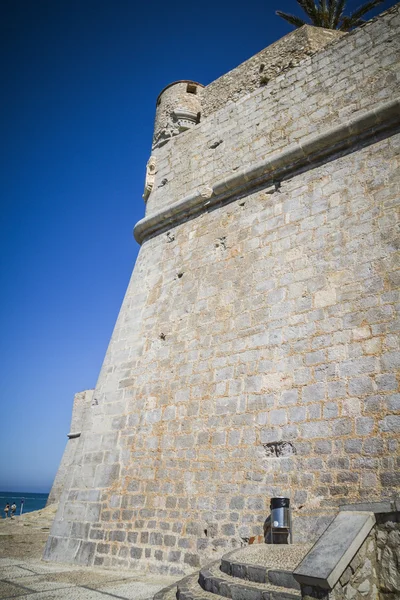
(37, 580)
(24, 575)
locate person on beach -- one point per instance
(13, 509)
(6, 509)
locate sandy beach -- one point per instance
(25, 536)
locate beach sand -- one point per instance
(25, 536)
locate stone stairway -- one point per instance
(259, 572)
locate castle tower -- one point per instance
(256, 349)
(178, 109)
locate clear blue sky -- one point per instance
(79, 84)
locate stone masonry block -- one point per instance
(106, 474)
(393, 402)
(358, 366)
(289, 397)
(359, 386)
(391, 424)
(297, 414)
(278, 417)
(331, 410)
(319, 429)
(313, 393)
(386, 382)
(364, 425)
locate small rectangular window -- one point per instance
(191, 89)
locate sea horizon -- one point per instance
(30, 501)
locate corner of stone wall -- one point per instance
(81, 404)
(319, 38)
(388, 555)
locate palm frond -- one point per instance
(292, 19)
(311, 10)
(348, 23)
(337, 12)
(360, 12)
(329, 14)
(324, 13)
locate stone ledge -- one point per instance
(333, 552)
(384, 506)
(274, 168)
(73, 435)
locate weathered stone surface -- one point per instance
(79, 423)
(386, 506)
(265, 320)
(329, 558)
(359, 581)
(265, 66)
(388, 542)
(178, 108)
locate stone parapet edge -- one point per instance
(334, 550)
(382, 507)
(275, 167)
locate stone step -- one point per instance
(266, 563)
(217, 582)
(166, 594)
(258, 572)
(189, 589)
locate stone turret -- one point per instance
(178, 109)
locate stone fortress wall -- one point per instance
(79, 423)
(256, 352)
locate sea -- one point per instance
(30, 502)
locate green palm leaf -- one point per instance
(329, 14)
(311, 10)
(296, 21)
(362, 10)
(337, 13)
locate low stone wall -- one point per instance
(360, 579)
(374, 571)
(388, 554)
(358, 582)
